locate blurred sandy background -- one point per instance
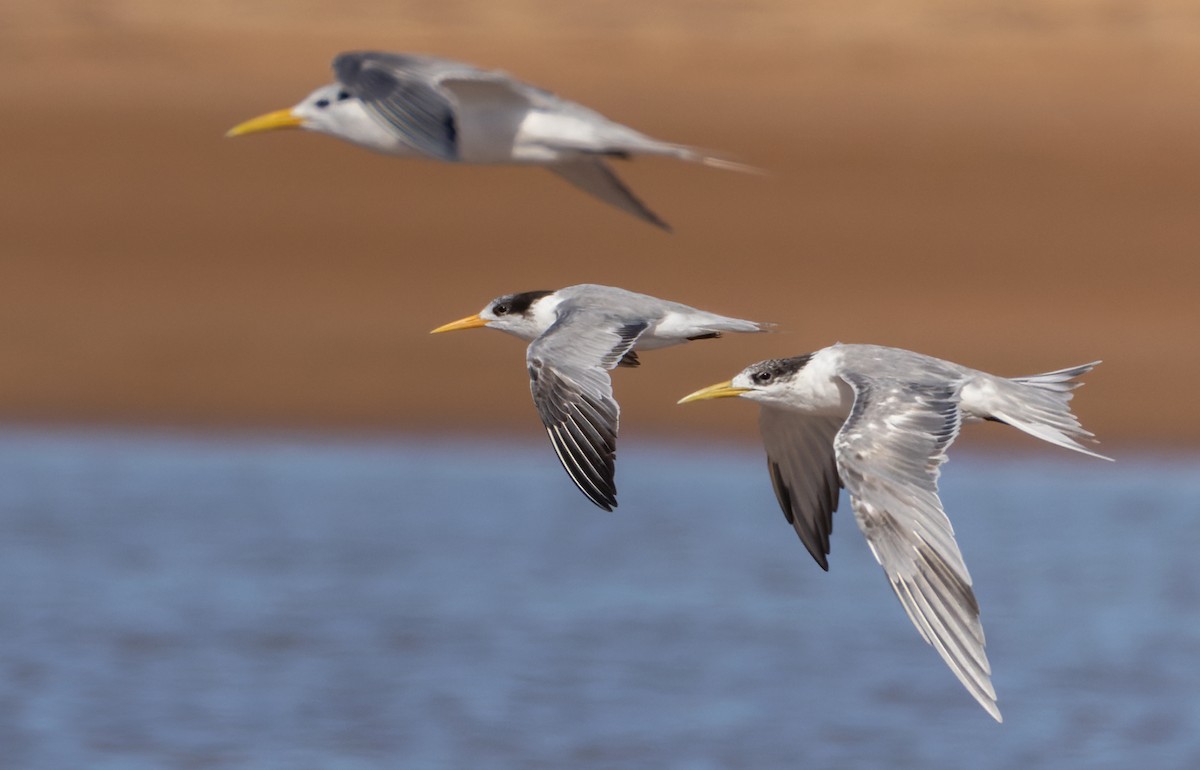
(1012, 185)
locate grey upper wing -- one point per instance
(804, 473)
(889, 453)
(404, 93)
(593, 176)
(568, 376)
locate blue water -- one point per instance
(290, 603)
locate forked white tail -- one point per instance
(1040, 406)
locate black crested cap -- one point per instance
(777, 368)
(518, 304)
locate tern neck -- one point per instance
(544, 312)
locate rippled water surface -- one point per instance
(185, 602)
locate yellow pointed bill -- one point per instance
(270, 122)
(720, 390)
(470, 322)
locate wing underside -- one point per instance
(804, 473)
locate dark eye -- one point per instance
(343, 95)
(322, 103)
(762, 376)
(500, 309)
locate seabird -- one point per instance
(422, 106)
(576, 335)
(878, 421)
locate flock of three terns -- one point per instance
(875, 420)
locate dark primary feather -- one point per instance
(804, 474)
(630, 360)
(391, 89)
(582, 430)
(628, 334)
(568, 377)
(593, 176)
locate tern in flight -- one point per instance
(422, 106)
(576, 335)
(879, 421)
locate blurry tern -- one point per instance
(879, 421)
(421, 106)
(576, 336)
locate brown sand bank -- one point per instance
(1015, 187)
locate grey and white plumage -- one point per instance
(576, 336)
(423, 106)
(879, 422)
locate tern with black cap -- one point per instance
(879, 421)
(576, 336)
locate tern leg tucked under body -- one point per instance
(879, 421)
(421, 106)
(576, 336)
